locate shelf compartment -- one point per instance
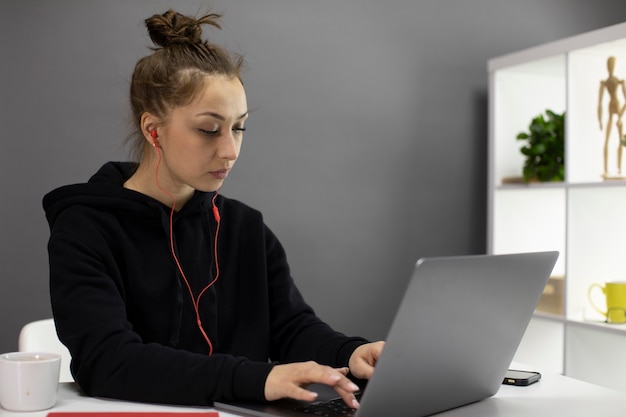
(521, 93)
(596, 242)
(595, 355)
(542, 345)
(529, 219)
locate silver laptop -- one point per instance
(452, 340)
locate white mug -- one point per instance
(29, 381)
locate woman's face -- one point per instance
(201, 141)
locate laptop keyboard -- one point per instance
(332, 408)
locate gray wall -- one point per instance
(366, 147)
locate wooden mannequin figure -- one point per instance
(611, 85)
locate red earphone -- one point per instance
(216, 214)
(154, 135)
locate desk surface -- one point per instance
(554, 395)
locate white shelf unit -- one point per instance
(583, 217)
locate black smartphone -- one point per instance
(521, 378)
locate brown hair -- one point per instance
(175, 71)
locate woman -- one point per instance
(166, 291)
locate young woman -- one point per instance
(166, 291)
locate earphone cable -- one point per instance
(195, 301)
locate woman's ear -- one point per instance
(150, 128)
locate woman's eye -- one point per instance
(208, 132)
(216, 132)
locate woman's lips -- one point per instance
(220, 174)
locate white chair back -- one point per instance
(41, 336)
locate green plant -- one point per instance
(545, 148)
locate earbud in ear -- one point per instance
(154, 135)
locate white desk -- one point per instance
(71, 400)
(553, 396)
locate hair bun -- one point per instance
(172, 28)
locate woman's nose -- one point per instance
(228, 147)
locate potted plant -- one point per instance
(545, 148)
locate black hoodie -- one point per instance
(127, 317)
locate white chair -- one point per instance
(41, 336)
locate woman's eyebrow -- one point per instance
(219, 116)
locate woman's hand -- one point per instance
(364, 358)
(290, 381)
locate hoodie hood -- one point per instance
(105, 190)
